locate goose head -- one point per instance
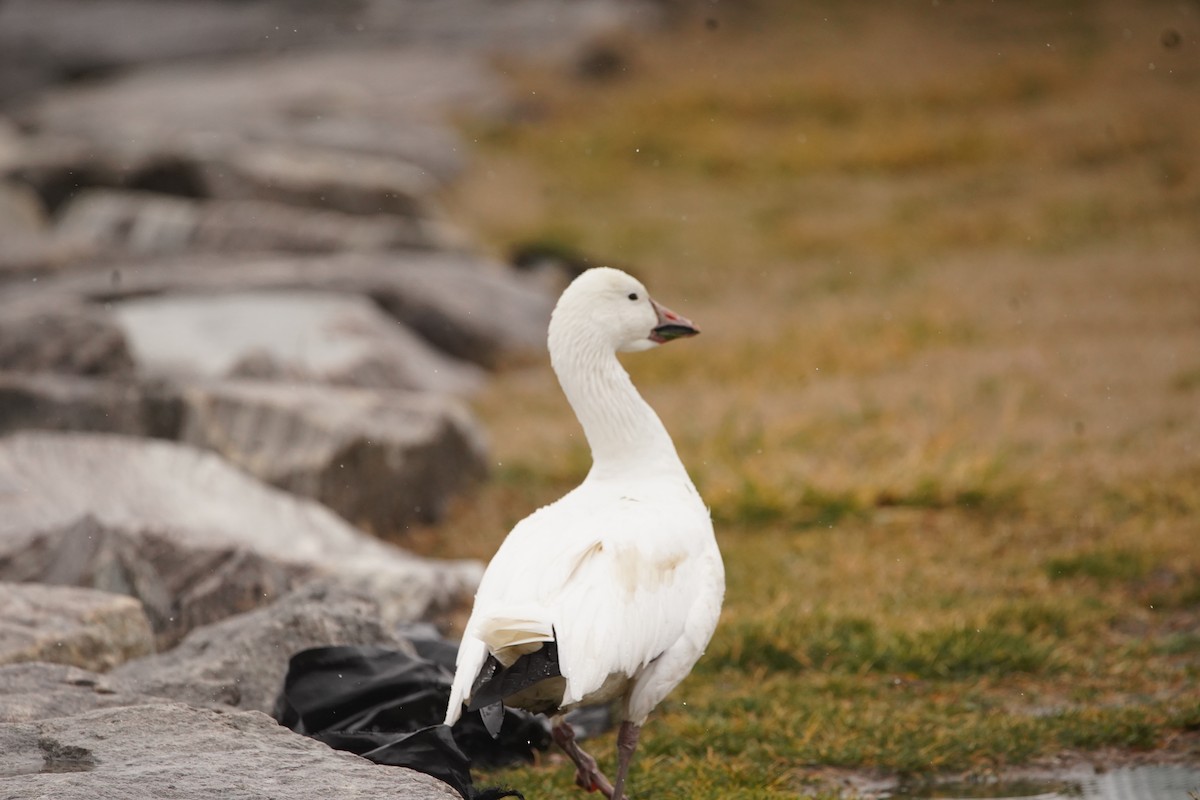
(613, 308)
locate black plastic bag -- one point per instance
(387, 706)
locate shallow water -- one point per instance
(1126, 783)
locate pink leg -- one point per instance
(627, 739)
(587, 772)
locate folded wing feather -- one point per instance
(613, 589)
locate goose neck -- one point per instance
(622, 430)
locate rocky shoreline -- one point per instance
(236, 337)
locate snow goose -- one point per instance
(613, 591)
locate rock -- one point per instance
(10, 143)
(180, 585)
(294, 335)
(174, 751)
(45, 41)
(61, 39)
(473, 309)
(27, 242)
(381, 460)
(28, 257)
(489, 317)
(77, 29)
(59, 167)
(38, 690)
(144, 222)
(225, 167)
(354, 183)
(384, 103)
(21, 212)
(190, 536)
(45, 333)
(68, 625)
(50, 401)
(241, 661)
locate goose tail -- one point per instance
(506, 637)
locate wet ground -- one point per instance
(1144, 782)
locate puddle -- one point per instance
(1126, 783)
(1009, 790)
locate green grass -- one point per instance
(856, 645)
(1105, 567)
(943, 409)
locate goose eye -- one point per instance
(633, 296)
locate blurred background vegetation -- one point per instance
(944, 408)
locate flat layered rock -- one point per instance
(41, 332)
(488, 316)
(381, 460)
(39, 690)
(241, 661)
(180, 752)
(64, 402)
(31, 256)
(44, 41)
(193, 538)
(111, 221)
(315, 177)
(28, 245)
(21, 211)
(180, 584)
(290, 335)
(471, 308)
(374, 101)
(57, 39)
(69, 625)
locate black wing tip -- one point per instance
(495, 682)
(493, 718)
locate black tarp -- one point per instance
(388, 706)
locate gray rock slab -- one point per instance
(28, 245)
(181, 584)
(187, 533)
(61, 167)
(313, 177)
(44, 41)
(40, 332)
(285, 334)
(145, 222)
(39, 690)
(30, 256)
(21, 211)
(176, 752)
(380, 459)
(70, 37)
(70, 625)
(10, 142)
(241, 661)
(65, 402)
(474, 309)
(384, 102)
(490, 316)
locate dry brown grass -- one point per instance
(947, 263)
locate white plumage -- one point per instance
(623, 573)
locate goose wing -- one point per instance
(610, 580)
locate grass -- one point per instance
(944, 407)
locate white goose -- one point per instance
(613, 591)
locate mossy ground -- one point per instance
(945, 407)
